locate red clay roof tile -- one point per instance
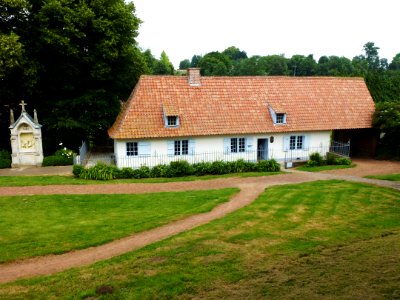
(239, 105)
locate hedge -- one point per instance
(175, 169)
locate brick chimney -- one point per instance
(194, 76)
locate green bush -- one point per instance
(56, 160)
(126, 173)
(142, 172)
(159, 171)
(179, 168)
(219, 167)
(201, 168)
(77, 170)
(268, 166)
(62, 157)
(5, 159)
(315, 160)
(330, 158)
(343, 161)
(100, 172)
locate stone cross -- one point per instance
(23, 105)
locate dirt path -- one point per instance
(250, 188)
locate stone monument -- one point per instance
(26, 139)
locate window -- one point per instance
(280, 118)
(296, 142)
(132, 149)
(172, 121)
(181, 147)
(238, 145)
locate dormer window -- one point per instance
(280, 118)
(278, 115)
(172, 121)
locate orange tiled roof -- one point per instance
(239, 105)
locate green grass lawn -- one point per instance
(294, 241)
(38, 225)
(63, 180)
(391, 177)
(324, 168)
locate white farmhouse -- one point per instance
(198, 118)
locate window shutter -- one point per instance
(144, 148)
(284, 118)
(249, 144)
(170, 147)
(227, 146)
(306, 141)
(286, 142)
(192, 144)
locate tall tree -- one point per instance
(395, 64)
(164, 66)
(86, 60)
(184, 64)
(215, 64)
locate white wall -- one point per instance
(212, 148)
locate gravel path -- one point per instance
(250, 189)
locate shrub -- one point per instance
(126, 173)
(343, 161)
(5, 159)
(100, 172)
(62, 157)
(159, 171)
(330, 158)
(56, 160)
(315, 160)
(219, 167)
(142, 172)
(77, 170)
(201, 168)
(268, 166)
(179, 168)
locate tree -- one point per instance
(274, 65)
(387, 119)
(300, 65)
(334, 66)
(371, 56)
(215, 64)
(184, 64)
(395, 64)
(164, 66)
(195, 61)
(234, 53)
(86, 61)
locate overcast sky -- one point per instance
(183, 28)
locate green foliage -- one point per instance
(268, 166)
(179, 168)
(77, 170)
(62, 157)
(315, 160)
(201, 168)
(71, 60)
(159, 171)
(5, 159)
(100, 172)
(387, 119)
(184, 64)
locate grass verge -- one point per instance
(66, 180)
(390, 177)
(39, 225)
(294, 241)
(324, 168)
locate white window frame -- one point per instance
(132, 149)
(181, 147)
(238, 145)
(280, 118)
(296, 142)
